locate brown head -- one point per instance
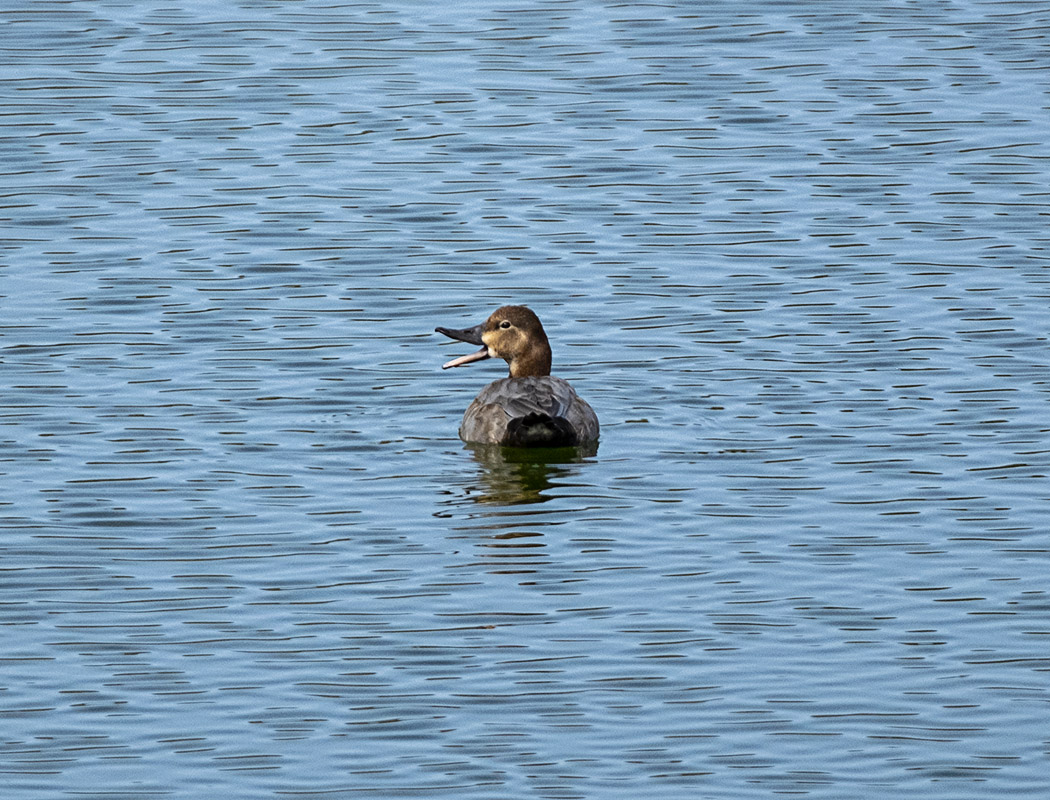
(513, 333)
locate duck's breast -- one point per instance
(487, 418)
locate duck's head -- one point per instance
(513, 333)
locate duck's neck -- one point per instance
(533, 362)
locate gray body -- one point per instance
(531, 411)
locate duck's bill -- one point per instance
(481, 355)
(468, 335)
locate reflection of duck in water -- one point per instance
(531, 408)
(511, 476)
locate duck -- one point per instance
(530, 407)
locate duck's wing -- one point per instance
(517, 398)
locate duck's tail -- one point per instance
(540, 430)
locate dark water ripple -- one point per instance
(795, 255)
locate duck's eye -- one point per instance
(505, 324)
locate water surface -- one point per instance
(794, 254)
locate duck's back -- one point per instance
(529, 412)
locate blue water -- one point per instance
(796, 256)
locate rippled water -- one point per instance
(793, 253)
